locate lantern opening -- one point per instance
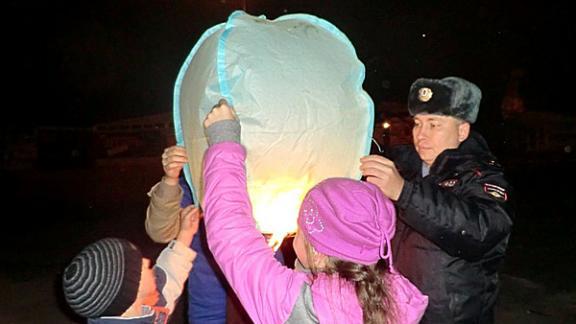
(275, 206)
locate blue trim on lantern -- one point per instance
(176, 104)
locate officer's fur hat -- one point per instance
(450, 96)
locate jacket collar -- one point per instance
(409, 163)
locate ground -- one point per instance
(58, 211)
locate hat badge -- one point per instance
(425, 94)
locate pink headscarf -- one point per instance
(348, 219)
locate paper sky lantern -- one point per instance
(296, 85)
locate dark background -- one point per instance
(72, 64)
(81, 62)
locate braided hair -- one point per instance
(369, 282)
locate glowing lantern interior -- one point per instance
(296, 85)
(277, 206)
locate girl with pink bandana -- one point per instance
(344, 271)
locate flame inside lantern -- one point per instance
(275, 206)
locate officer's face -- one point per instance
(433, 134)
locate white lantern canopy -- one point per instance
(296, 85)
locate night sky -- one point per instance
(76, 63)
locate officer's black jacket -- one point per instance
(453, 229)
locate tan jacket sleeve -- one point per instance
(163, 213)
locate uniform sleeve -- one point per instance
(175, 263)
(162, 215)
(267, 289)
(467, 222)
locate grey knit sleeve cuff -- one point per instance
(223, 131)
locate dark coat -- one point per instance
(207, 297)
(453, 229)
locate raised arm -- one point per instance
(266, 288)
(162, 215)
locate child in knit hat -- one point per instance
(110, 282)
(344, 272)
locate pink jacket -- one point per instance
(267, 289)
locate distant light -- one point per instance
(386, 125)
(423, 35)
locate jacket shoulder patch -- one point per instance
(496, 191)
(448, 183)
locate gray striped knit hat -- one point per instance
(103, 279)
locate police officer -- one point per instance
(454, 215)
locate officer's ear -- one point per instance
(463, 131)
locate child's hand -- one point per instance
(173, 160)
(221, 111)
(189, 220)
